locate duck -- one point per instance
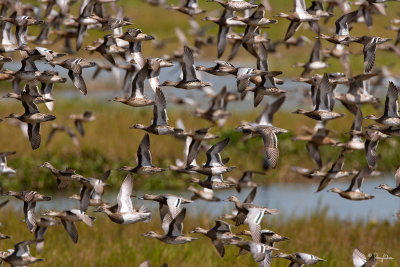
(268, 237)
(315, 62)
(191, 8)
(28, 73)
(323, 102)
(48, 78)
(235, 5)
(94, 201)
(68, 219)
(267, 85)
(370, 43)
(21, 255)
(299, 258)
(297, 17)
(255, 21)
(37, 99)
(62, 128)
(221, 68)
(4, 169)
(225, 21)
(390, 116)
(371, 144)
(336, 172)
(243, 77)
(21, 23)
(394, 191)
(92, 188)
(110, 23)
(252, 214)
(219, 234)
(106, 48)
(261, 253)
(213, 182)
(317, 9)
(74, 67)
(204, 193)
(79, 119)
(270, 140)
(354, 191)
(145, 165)
(174, 235)
(217, 112)
(159, 124)
(123, 212)
(137, 97)
(63, 177)
(154, 68)
(135, 37)
(249, 199)
(169, 206)
(357, 93)
(266, 117)
(214, 165)
(356, 142)
(189, 80)
(33, 118)
(29, 198)
(340, 52)
(342, 32)
(194, 144)
(246, 180)
(359, 259)
(318, 138)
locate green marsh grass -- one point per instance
(110, 244)
(110, 144)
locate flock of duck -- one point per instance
(33, 87)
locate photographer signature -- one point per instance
(382, 258)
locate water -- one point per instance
(110, 82)
(293, 200)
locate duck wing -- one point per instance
(160, 117)
(221, 40)
(293, 27)
(29, 212)
(143, 153)
(392, 101)
(271, 151)
(357, 180)
(313, 151)
(34, 135)
(254, 218)
(267, 117)
(369, 55)
(397, 177)
(251, 196)
(176, 225)
(174, 203)
(213, 156)
(138, 82)
(324, 97)
(342, 24)
(70, 227)
(124, 195)
(359, 258)
(27, 102)
(188, 70)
